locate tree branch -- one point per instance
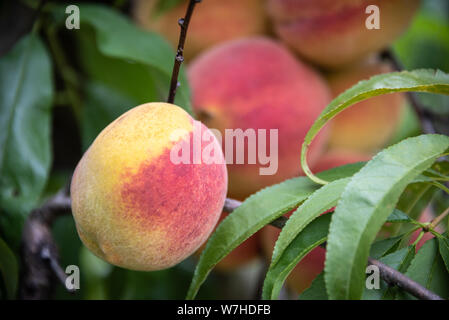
(39, 251)
(395, 278)
(179, 58)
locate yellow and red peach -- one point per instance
(214, 21)
(367, 125)
(333, 33)
(133, 206)
(256, 83)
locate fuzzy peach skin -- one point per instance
(213, 21)
(336, 158)
(332, 33)
(255, 83)
(133, 206)
(367, 125)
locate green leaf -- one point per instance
(308, 239)
(428, 269)
(321, 200)
(368, 199)
(415, 199)
(401, 266)
(9, 270)
(443, 244)
(255, 212)
(398, 216)
(384, 246)
(101, 106)
(316, 291)
(424, 80)
(413, 202)
(26, 92)
(117, 37)
(163, 6)
(129, 78)
(427, 37)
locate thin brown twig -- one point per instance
(179, 58)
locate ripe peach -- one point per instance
(333, 33)
(337, 158)
(256, 83)
(214, 21)
(367, 125)
(133, 206)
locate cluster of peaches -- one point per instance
(259, 64)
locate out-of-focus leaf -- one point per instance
(368, 199)
(102, 105)
(426, 45)
(254, 213)
(94, 267)
(26, 91)
(128, 78)
(95, 271)
(8, 269)
(424, 80)
(165, 5)
(117, 37)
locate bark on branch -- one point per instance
(39, 251)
